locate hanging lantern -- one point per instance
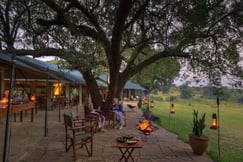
(152, 103)
(214, 124)
(172, 109)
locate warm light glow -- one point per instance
(145, 125)
(58, 89)
(4, 100)
(32, 97)
(172, 109)
(214, 124)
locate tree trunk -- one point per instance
(93, 88)
(114, 90)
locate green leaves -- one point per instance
(198, 123)
(159, 74)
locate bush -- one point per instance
(186, 92)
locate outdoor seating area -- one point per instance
(28, 142)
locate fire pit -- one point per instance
(146, 128)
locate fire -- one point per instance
(3, 102)
(214, 123)
(145, 125)
(32, 98)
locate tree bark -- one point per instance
(93, 88)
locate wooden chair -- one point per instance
(112, 119)
(78, 134)
(94, 118)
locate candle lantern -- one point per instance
(214, 124)
(172, 109)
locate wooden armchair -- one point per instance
(94, 118)
(75, 135)
(90, 120)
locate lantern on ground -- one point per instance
(214, 124)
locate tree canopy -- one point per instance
(126, 36)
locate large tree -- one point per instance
(120, 35)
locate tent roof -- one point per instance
(60, 73)
(128, 85)
(22, 70)
(28, 68)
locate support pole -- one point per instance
(59, 102)
(218, 128)
(77, 100)
(47, 90)
(7, 128)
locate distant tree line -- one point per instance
(225, 94)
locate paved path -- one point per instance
(28, 143)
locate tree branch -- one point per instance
(77, 30)
(138, 13)
(92, 18)
(133, 69)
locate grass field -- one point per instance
(231, 124)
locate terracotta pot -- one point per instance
(198, 144)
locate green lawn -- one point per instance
(231, 124)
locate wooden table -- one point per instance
(127, 149)
(20, 108)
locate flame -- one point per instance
(4, 100)
(32, 98)
(214, 124)
(214, 121)
(145, 125)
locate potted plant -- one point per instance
(198, 141)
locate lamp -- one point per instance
(214, 124)
(172, 109)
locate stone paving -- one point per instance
(28, 143)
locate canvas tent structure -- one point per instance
(130, 88)
(33, 70)
(23, 71)
(61, 74)
(33, 73)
